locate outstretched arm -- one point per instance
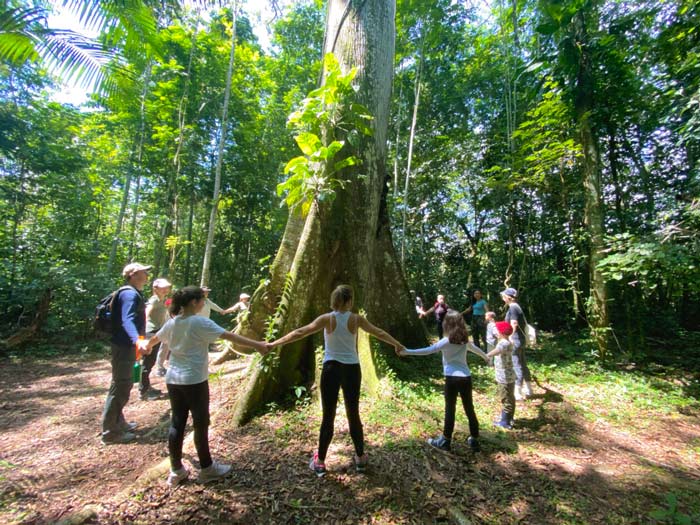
(316, 326)
(377, 332)
(260, 346)
(471, 347)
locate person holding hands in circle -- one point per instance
(341, 369)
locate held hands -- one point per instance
(400, 350)
(142, 346)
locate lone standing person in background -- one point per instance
(128, 323)
(440, 310)
(478, 310)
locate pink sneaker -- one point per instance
(317, 466)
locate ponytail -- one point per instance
(185, 296)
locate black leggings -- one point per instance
(185, 399)
(337, 375)
(463, 387)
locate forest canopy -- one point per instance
(548, 146)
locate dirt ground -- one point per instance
(556, 467)
(52, 462)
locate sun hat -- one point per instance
(510, 292)
(244, 296)
(504, 328)
(162, 282)
(131, 268)
(206, 289)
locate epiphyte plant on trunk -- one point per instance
(327, 120)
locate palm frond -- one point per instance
(77, 58)
(17, 40)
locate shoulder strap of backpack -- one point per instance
(116, 293)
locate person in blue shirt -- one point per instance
(128, 323)
(458, 380)
(478, 310)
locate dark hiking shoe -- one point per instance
(128, 426)
(317, 466)
(360, 462)
(151, 395)
(473, 444)
(440, 442)
(116, 438)
(506, 421)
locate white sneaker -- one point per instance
(213, 472)
(177, 476)
(527, 389)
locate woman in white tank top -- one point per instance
(341, 369)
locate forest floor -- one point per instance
(594, 445)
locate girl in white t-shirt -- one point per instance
(188, 336)
(341, 369)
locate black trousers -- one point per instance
(479, 331)
(461, 386)
(147, 364)
(183, 400)
(336, 375)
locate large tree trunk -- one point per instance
(344, 241)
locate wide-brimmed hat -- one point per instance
(131, 268)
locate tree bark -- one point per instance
(343, 241)
(593, 213)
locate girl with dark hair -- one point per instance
(188, 336)
(458, 378)
(341, 369)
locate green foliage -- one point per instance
(326, 115)
(671, 254)
(672, 515)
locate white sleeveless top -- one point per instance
(341, 344)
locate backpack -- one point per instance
(103, 313)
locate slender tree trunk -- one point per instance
(593, 213)
(343, 241)
(127, 182)
(396, 145)
(206, 265)
(412, 135)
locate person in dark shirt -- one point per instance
(440, 310)
(516, 318)
(128, 322)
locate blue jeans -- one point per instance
(522, 372)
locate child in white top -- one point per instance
(341, 369)
(491, 337)
(505, 375)
(454, 347)
(188, 336)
